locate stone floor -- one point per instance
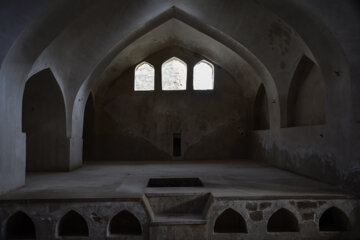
(237, 178)
(57, 205)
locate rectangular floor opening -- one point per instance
(175, 182)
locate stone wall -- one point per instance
(303, 217)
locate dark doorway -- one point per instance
(177, 145)
(89, 129)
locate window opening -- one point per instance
(203, 76)
(144, 77)
(174, 73)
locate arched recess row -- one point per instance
(72, 224)
(44, 122)
(20, 226)
(283, 221)
(261, 110)
(333, 219)
(230, 221)
(124, 223)
(306, 96)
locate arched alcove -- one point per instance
(334, 219)
(89, 129)
(125, 223)
(306, 97)
(261, 110)
(73, 224)
(20, 226)
(43, 120)
(283, 221)
(230, 221)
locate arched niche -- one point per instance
(20, 226)
(333, 219)
(43, 120)
(72, 224)
(261, 110)
(89, 129)
(125, 223)
(283, 221)
(230, 221)
(306, 97)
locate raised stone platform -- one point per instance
(237, 200)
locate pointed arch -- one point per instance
(44, 121)
(306, 96)
(125, 223)
(174, 74)
(144, 79)
(333, 219)
(203, 78)
(20, 226)
(261, 110)
(230, 221)
(73, 224)
(175, 13)
(283, 221)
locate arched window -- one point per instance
(125, 223)
(334, 219)
(203, 76)
(73, 224)
(144, 77)
(283, 221)
(174, 73)
(230, 221)
(20, 226)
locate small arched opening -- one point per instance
(334, 219)
(72, 224)
(125, 223)
(20, 226)
(283, 221)
(230, 221)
